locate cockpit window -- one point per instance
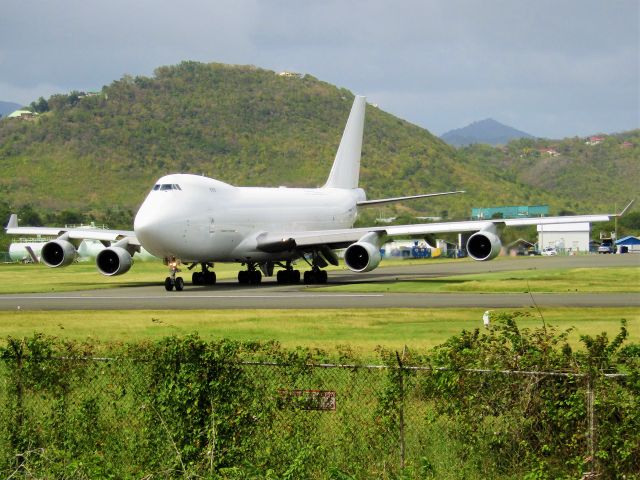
(167, 186)
(156, 187)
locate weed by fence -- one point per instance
(480, 406)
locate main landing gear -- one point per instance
(251, 276)
(288, 276)
(172, 281)
(205, 277)
(315, 276)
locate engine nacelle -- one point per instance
(483, 245)
(57, 253)
(114, 261)
(362, 257)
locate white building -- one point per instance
(565, 237)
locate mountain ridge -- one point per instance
(245, 126)
(487, 131)
(8, 107)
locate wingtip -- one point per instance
(626, 208)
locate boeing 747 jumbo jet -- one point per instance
(197, 221)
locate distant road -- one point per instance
(229, 295)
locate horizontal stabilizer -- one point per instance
(384, 201)
(13, 221)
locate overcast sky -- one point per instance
(549, 67)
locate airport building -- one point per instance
(518, 211)
(565, 237)
(628, 244)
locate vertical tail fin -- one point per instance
(345, 171)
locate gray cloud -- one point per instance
(551, 68)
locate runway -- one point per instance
(229, 295)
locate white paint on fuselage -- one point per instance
(210, 221)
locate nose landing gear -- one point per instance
(172, 281)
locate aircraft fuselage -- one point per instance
(199, 219)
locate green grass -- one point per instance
(361, 329)
(19, 278)
(586, 280)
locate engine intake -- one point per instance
(57, 253)
(114, 261)
(483, 245)
(362, 257)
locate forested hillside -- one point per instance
(602, 171)
(96, 156)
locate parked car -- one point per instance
(606, 247)
(548, 251)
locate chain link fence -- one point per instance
(98, 418)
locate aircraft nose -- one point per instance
(150, 226)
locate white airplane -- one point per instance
(195, 220)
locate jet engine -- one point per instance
(362, 256)
(483, 245)
(57, 253)
(114, 261)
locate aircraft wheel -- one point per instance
(256, 277)
(209, 278)
(322, 276)
(179, 284)
(196, 278)
(281, 276)
(308, 277)
(168, 284)
(243, 276)
(295, 276)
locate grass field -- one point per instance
(18, 278)
(361, 329)
(589, 280)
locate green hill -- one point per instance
(102, 152)
(598, 174)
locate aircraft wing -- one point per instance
(344, 237)
(76, 233)
(387, 201)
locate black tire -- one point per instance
(209, 278)
(243, 277)
(168, 284)
(179, 284)
(196, 278)
(308, 277)
(295, 276)
(256, 277)
(322, 276)
(281, 277)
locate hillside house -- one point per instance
(290, 74)
(594, 141)
(23, 114)
(552, 152)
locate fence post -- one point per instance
(401, 411)
(591, 420)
